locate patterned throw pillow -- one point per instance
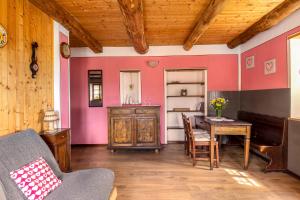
(35, 179)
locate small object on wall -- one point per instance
(3, 36)
(250, 62)
(34, 67)
(130, 87)
(65, 50)
(183, 92)
(270, 67)
(51, 117)
(152, 63)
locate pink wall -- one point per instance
(89, 125)
(64, 86)
(254, 78)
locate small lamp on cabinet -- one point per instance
(51, 118)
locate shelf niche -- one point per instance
(195, 101)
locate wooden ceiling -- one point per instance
(167, 22)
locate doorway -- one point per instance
(294, 57)
(294, 121)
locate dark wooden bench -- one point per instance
(268, 138)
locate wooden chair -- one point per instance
(199, 144)
(186, 135)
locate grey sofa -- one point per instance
(20, 148)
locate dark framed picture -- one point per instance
(95, 88)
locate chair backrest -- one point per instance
(185, 120)
(190, 130)
(16, 150)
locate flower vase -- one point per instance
(219, 113)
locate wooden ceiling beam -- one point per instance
(266, 22)
(207, 18)
(51, 8)
(132, 11)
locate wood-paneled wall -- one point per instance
(23, 99)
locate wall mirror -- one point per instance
(95, 88)
(130, 87)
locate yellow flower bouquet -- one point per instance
(218, 105)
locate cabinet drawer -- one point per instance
(145, 111)
(57, 139)
(233, 130)
(122, 111)
(61, 138)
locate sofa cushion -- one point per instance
(91, 184)
(36, 179)
(204, 137)
(18, 149)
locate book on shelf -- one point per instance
(181, 109)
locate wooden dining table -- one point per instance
(226, 127)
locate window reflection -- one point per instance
(95, 88)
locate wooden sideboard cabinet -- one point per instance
(59, 143)
(136, 127)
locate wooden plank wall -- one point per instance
(23, 99)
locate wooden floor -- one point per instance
(170, 175)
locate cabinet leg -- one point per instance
(156, 150)
(112, 150)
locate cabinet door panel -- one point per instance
(146, 128)
(59, 144)
(122, 131)
(60, 154)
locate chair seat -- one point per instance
(203, 137)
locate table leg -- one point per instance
(220, 144)
(220, 141)
(247, 148)
(212, 147)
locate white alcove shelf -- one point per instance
(194, 81)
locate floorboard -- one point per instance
(169, 175)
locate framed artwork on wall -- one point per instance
(130, 87)
(270, 67)
(250, 62)
(95, 88)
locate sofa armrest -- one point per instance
(2, 193)
(113, 194)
